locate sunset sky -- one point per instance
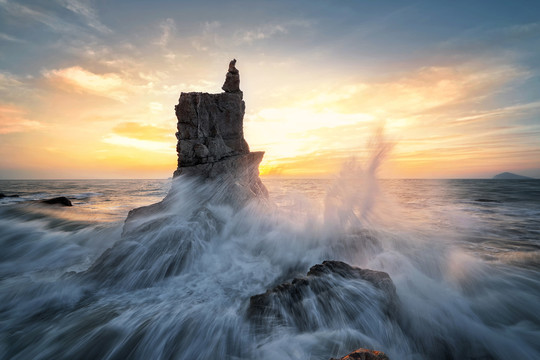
(88, 88)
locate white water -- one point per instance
(178, 285)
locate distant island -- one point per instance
(511, 176)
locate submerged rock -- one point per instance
(62, 200)
(332, 293)
(364, 354)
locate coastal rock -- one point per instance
(215, 167)
(210, 128)
(329, 294)
(232, 79)
(62, 200)
(364, 354)
(211, 142)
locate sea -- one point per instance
(464, 256)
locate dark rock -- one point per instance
(62, 200)
(232, 79)
(511, 176)
(215, 166)
(9, 196)
(210, 128)
(331, 291)
(364, 354)
(211, 142)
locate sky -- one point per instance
(88, 88)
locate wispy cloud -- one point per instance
(10, 38)
(26, 13)
(168, 27)
(13, 120)
(149, 145)
(260, 33)
(87, 12)
(138, 131)
(78, 79)
(47, 15)
(268, 31)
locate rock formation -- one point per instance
(211, 140)
(62, 200)
(232, 79)
(331, 288)
(364, 354)
(215, 167)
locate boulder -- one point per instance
(364, 354)
(62, 200)
(327, 297)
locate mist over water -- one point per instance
(178, 284)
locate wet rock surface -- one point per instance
(210, 127)
(364, 354)
(331, 292)
(62, 200)
(2, 195)
(211, 142)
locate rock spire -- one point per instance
(211, 136)
(232, 79)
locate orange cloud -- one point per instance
(13, 119)
(143, 132)
(109, 85)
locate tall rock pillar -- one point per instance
(210, 135)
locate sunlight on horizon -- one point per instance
(99, 103)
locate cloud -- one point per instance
(260, 33)
(420, 91)
(144, 132)
(268, 31)
(168, 27)
(28, 14)
(148, 145)
(47, 17)
(10, 38)
(83, 9)
(109, 85)
(8, 81)
(13, 120)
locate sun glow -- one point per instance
(85, 94)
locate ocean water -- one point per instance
(464, 256)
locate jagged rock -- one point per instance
(210, 128)
(331, 292)
(211, 142)
(232, 79)
(364, 354)
(62, 200)
(215, 166)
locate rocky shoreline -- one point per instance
(214, 156)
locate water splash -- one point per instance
(178, 283)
